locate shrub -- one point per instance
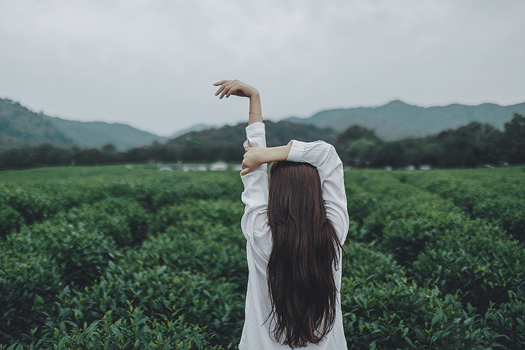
(418, 207)
(400, 315)
(81, 254)
(34, 206)
(29, 284)
(478, 259)
(509, 320)
(157, 290)
(123, 219)
(209, 251)
(133, 331)
(222, 212)
(10, 219)
(359, 203)
(364, 262)
(407, 237)
(507, 211)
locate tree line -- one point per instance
(471, 145)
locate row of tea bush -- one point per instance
(159, 262)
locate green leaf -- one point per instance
(437, 317)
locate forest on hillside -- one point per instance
(475, 144)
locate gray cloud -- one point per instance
(151, 63)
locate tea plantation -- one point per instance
(112, 258)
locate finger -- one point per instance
(233, 89)
(220, 82)
(245, 171)
(225, 92)
(220, 90)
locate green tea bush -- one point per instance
(157, 290)
(209, 251)
(359, 203)
(123, 219)
(34, 206)
(69, 194)
(206, 186)
(508, 319)
(81, 254)
(361, 261)
(10, 219)
(223, 212)
(157, 260)
(418, 207)
(400, 315)
(490, 197)
(507, 211)
(29, 284)
(407, 237)
(479, 260)
(134, 331)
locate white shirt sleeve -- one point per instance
(255, 195)
(323, 156)
(319, 154)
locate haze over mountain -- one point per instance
(194, 128)
(20, 126)
(97, 134)
(397, 120)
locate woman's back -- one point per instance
(305, 250)
(261, 324)
(294, 234)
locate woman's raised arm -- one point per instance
(238, 88)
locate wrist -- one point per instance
(273, 154)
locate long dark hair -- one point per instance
(305, 249)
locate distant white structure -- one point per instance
(238, 167)
(410, 167)
(219, 166)
(425, 167)
(129, 166)
(194, 168)
(165, 168)
(388, 168)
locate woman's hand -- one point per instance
(253, 158)
(235, 87)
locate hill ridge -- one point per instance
(397, 119)
(21, 126)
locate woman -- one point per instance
(294, 229)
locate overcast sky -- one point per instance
(151, 63)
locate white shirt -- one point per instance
(254, 224)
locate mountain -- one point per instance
(397, 120)
(97, 134)
(194, 128)
(20, 126)
(226, 142)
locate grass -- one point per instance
(85, 172)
